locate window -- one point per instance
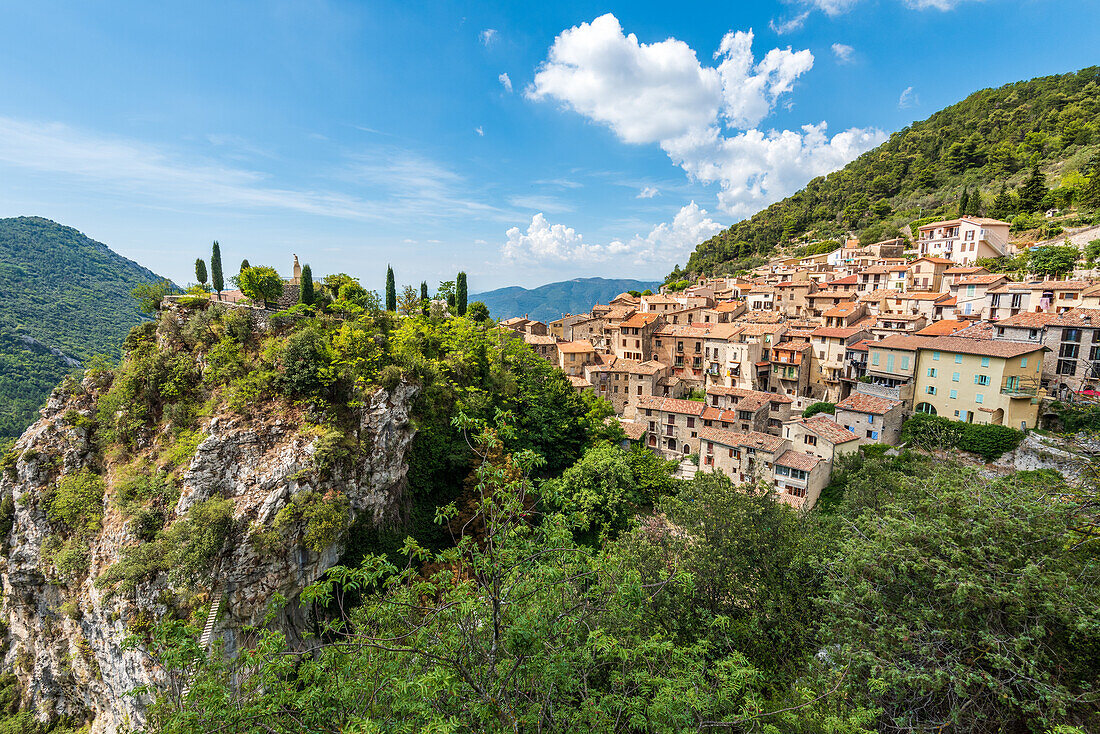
(931, 371)
(810, 440)
(958, 359)
(935, 356)
(889, 362)
(874, 358)
(931, 389)
(691, 422)
(1069, 351)
(979, 398)
(985, 361)
(954, 377)
(905, 362)
(1071, 335)
(970, 291)
(1066, 367)
(954, 394)
(871, 419)
(1023, 360)
(981, 379)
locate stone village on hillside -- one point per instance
(881, 331)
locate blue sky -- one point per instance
(521, 142)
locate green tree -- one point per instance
(216, 277)
(446, 292)
(460, 294)
(391, 290)
(150, 295)
(425, 301)
(478, 311)
(1003, 206)
(409, 302)
(819, 407)
(1033, 191)
(1090, 192)
(964, 203)
(305, 288)
(974, 204)
(261, 284)
(200, 272)
(1092, 252)
(1052, 261)
(959, 605)
(244, 266)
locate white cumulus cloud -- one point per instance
(647, 192)
(505, 81)
(790, 25)
(667, 242)
(843, 52)
(487, 36)
(661, 93)
(480, 131)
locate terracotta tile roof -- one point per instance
(832, 293)
(918, 296)
(937, 260)
(1078, 317)
(579, 381)
(671, 405)
(982, 279)
(828, 429)
(1060, 285)
(949, 302)
(961, 345)
(634, 367)
(725, 331)
(964, 269)
(877, 295)
(977, 330)
(798, 460)
(860, 346)
(836, 332)
(861, 403)
(540, 340)
(728, 306)
(514, 321)
(761, 329)
(576, 347)
(760, 317)
(1028, 320)
(791, 347)
(944, 327)
(842, 309)
(620, 313)
(972, 220)
(640, 320)
(658, 298)
(846, 280)
(747, 439)
(633, 431)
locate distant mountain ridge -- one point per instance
(63, 298)
(548, 302)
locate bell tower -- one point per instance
(297, 279)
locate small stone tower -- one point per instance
(297, 279)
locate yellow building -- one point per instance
(974, 380)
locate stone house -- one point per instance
(672, 425)
(1009, 299)
(723, 313)
(823, 300)
(633, 338)
(574, 356)
(746, 410)
(871, 418)
(964, 240)
(820, 436)
(790, 367)
(830, 347)
(622, 382)
(883, 277)
(798, 478)
(681, 347)
(926, 273)
(544, 346)
(743, 456)
(591, 330)
(953, 275)
(1072, 362)
(970, 294)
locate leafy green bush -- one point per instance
(989, 441)
(318, 520)
(77, 502)
(69, 557)
(819, 407)
(182, 451)
(932, 432)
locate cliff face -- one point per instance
(65, 632)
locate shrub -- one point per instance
(932, 432)
(7, 516)
(819, 407)
(78, 502)
(307, 364)
(76, 419)
(70, 559)
(989, 441)
(71, 609)
(183, 449)
(317, 520)
(331, 448)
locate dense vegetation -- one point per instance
(550, 301)
(927, 598)
(63, 299)
(989, 146)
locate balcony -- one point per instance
(1020, 387)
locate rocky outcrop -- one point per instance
(65, 635)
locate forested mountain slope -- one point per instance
(550, 301)
(63, 298)
(993, 138)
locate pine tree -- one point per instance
(216, 269)
(1090, 193)
(1033, 191)
(964, 202)
(244, 265)
(200, 271)
(391, 290)
(305, 289)
(460, 294)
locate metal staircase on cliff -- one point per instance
(206, 638)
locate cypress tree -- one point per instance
(423, 290)
(1033, 191)
(391, 290)
(460, 294)
(425, 301)
(200, 271)
(305, 290)
(244, 265)
(216, 268)
(974, 205)
(964, 201)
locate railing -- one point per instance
(1020, 387)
